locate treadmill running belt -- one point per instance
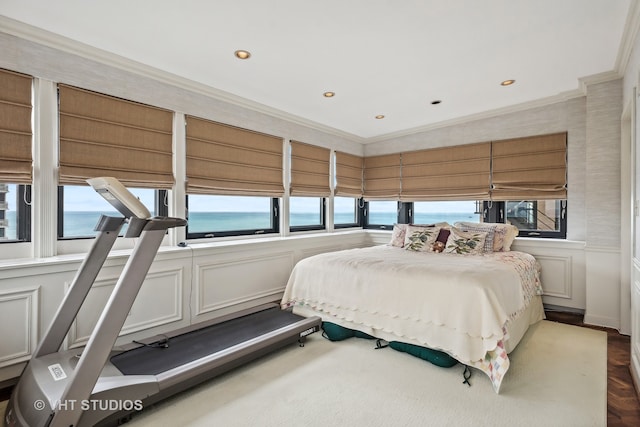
(196, 344)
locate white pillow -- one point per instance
(397, 236)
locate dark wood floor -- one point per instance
(623, 406)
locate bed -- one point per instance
(474, 300)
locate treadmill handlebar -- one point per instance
(164, 222)
(119, 197)
(109, 223)
(137, 225)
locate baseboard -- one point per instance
(561, 309)
(606, 322)
(635, 374)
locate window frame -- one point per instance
(402, 217)
(311, 227)
(494, 212)
(160, 208)
(23, 215)
(359, 211)
(275, 221)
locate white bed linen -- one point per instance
(460, 304)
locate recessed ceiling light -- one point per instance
(329, 94)
(507, 82)
(380, 116)
(436, 102)
(242, 54)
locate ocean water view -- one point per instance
(81, 224)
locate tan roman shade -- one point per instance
(348, 175)
(15, 128)
(530, 168)
(223, 159)
(309, 170)
(102, 135)
(382, 177)
(460, 172)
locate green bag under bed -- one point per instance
(438, 358)
(335, 332)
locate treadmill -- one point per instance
(100, 386)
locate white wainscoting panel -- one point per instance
(603, 286)
(232, 281)
(563, 271)
(19, 314)
(159, 302)
(555, 275)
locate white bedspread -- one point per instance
(456, 303)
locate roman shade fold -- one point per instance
(15, 128)
(382, 177)
(309, 170)
(349, 169)
(531, 168)
(223, 159)
(101, 135)
(460, 172)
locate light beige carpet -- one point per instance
(558, 377)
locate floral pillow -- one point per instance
(488, 228)
(465, 242)
(420, 239)
(502, 234)
(398, 234)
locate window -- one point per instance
(534, 218)
(450, 211)
(346, 212)
(381, 214)
(80, 207)
(15, 213)
(306, 213)
(538, 218)
(221, 216)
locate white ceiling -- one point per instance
(378, 56)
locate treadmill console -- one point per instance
(117, 194)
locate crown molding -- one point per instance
(542, 102)
(631, 28)
(65, 44)
(593, 79)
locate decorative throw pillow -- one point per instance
(504, 236)
(398, 234)
(420, 239)
(443, 235)
(510, 235)
(475, 227)
(465, 242)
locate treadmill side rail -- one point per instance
(222, 361)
